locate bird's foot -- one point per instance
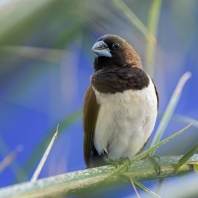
(154, 162)
(117, 163)
(126, 159)
(123, 160)
(113, 162)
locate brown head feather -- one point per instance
(125, 55)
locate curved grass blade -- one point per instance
(145, 189)
(136, 192)
(152, 29)
(170, 108)
(134, 20)
(42, 162)
(187, 156)
(36, 153)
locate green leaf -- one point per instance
(195, 166)
(84, 181)
(187, 156)
(152, 28)
(134, 187)
(144, 188)
(134, 20)
(170, 108)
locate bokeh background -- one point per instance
(46, 63)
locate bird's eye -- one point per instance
(116, 45)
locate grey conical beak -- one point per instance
(100, 48)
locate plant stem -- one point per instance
(86, 180)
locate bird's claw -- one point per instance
(117, 163)
(154, 162)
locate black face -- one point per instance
(114, 51)
(117, 66)
(110, 52)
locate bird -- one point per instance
(120, 105)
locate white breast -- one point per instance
(125, 121)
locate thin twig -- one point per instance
(83, 181)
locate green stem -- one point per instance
(86, 180)
(152, 29)
(170, 108)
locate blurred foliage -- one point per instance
(41, 146)
(152, 28)
(187, 156)
(36, 35)
(170, 108)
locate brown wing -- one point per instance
(90, 113)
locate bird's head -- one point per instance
(114, 51)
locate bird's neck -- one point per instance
(102, 62)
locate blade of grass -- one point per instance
(145, 189)
(136, 192)
(143, 154)
(134, 20)
(10, 158)
(43, 159)
(35, 155)
(170, 109)
(187, 156)
(195, 166)
(153, 19)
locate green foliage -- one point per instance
(187, 156)
(170, 108)
(28, 16)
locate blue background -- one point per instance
(45, 66)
